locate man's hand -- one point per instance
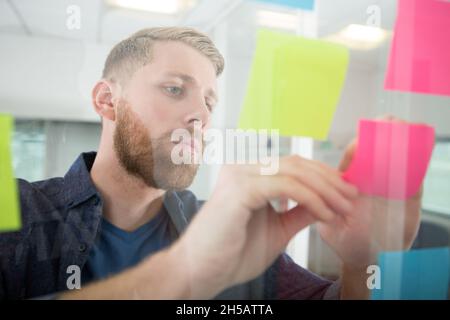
(238, 234)
(377, 224)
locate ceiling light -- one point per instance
(157, 6)
(278, 20)
(359, 37)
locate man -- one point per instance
(123, 218)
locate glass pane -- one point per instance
(28, 149)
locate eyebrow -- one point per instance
(188, 78)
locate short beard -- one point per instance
(146, 158)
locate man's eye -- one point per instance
(174, 90)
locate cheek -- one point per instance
(156, 111)
(155, 114)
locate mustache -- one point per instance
(190, 134)
(167, 137)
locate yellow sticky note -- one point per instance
(294, 86)
(10, 219)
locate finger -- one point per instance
(418, 194)
(320, 186)
(282, 186)
(348, 156)
(307, 174)
(386, 117)
(333, 176)
(295, 220)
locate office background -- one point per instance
(48, 70)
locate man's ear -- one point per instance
(102, 99)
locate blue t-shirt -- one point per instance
(116, 250)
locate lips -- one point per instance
(192, 145)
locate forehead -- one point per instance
(177, 57)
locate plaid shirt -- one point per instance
(61, 219)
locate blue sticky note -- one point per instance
(297, 4)
(414, 275)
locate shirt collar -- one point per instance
(78, 184)
(79, 187)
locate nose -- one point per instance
(198, 112)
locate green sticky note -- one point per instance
(9, 203)
(294, 85)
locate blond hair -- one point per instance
(136, 51)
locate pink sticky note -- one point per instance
(420, 51)
(391, 158)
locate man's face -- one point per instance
(176, 90)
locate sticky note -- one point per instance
(296, 4)
(413, 275)
(9, 204)
(419, 58)
(391, 158)
(294, 86)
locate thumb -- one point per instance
(295, 220)
(348, 156)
